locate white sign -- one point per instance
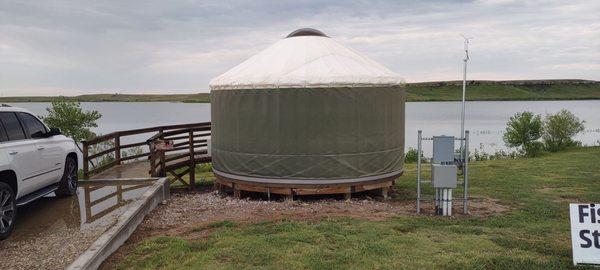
(585, 233)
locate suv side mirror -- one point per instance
(53, 132)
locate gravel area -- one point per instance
(49, 235)
(47, 251)
(194, 209)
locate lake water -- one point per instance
(486, 120)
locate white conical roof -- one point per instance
(306, 58)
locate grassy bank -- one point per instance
(533, 234)
(430, 91)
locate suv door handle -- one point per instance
(41, 148)
(13, 152)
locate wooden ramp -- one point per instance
(140, 169)
(168, 151)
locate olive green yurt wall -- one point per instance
(309, 110)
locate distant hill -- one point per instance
(197, 98)
(422, 91)
(504, 90)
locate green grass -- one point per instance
(203, 173)
(534, 234)
(429, 91)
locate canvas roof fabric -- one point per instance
(303, 60)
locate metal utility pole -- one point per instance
(464, 89)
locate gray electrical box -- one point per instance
(443, 149)
(443, 176)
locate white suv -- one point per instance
(34, 161)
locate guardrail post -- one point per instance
(86, 165)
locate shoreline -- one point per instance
(530, 90)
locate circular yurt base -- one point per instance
(288, 188)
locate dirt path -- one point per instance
(186, 211)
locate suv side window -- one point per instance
(33, 126)
(12, 126)
(3, 136)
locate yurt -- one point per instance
(307, 115)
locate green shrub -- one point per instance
(559, 130)
(411, 156)
(523, 130)
(204, 167)
(533, 149)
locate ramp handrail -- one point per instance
(111, 156)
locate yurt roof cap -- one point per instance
(306, 58)
(306, 32)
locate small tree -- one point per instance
(559, 130)
(524, 130)
(71, 119)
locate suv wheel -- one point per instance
(8, 210)
(68, 183)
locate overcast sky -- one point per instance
(79, 47)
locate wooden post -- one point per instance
(86, 165)
(163, 171)
(237, 193)
(384, 192)
(118, 149)
(152, 157)
(290, 197)
(88, 203)
(192, 160)
(119, 194)
(162, 156)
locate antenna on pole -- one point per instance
(464, 89)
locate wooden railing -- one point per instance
(187, 147)
(96, 201)
(189, 140)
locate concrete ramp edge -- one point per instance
(126, 224)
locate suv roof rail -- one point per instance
(5, 105)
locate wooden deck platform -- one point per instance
(238, 186)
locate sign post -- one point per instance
(585, 233)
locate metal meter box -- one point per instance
(443, 149)
(443, 176)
